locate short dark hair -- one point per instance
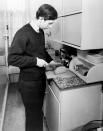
(47, 11)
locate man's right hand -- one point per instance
(41, 62)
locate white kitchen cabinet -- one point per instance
(52, 115)
(84, 30)
(56, 30)
(53, 36)
(71, 6)
(72, 29)
(70, 109)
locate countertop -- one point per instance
(69, 83)
(66, 80)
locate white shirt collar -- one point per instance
(34, 26)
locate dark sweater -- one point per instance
(26, 46)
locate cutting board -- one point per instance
(51, 74)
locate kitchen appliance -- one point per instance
(65, 57)
(95, 58)
(88, 68)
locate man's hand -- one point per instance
(41, 62)
(52, 65)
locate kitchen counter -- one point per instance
(69, 83)
(70, 107)
(65, 80)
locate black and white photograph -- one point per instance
(51, 65)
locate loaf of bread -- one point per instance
(60, 69)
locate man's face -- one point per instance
(45, 24)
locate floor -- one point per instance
(15, 112)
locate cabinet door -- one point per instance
(84, 30)
(52, 111)
(56, 30)
(71, 6)
(92, 24)
(80, 106)
(72, 29)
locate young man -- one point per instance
(28, 53)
